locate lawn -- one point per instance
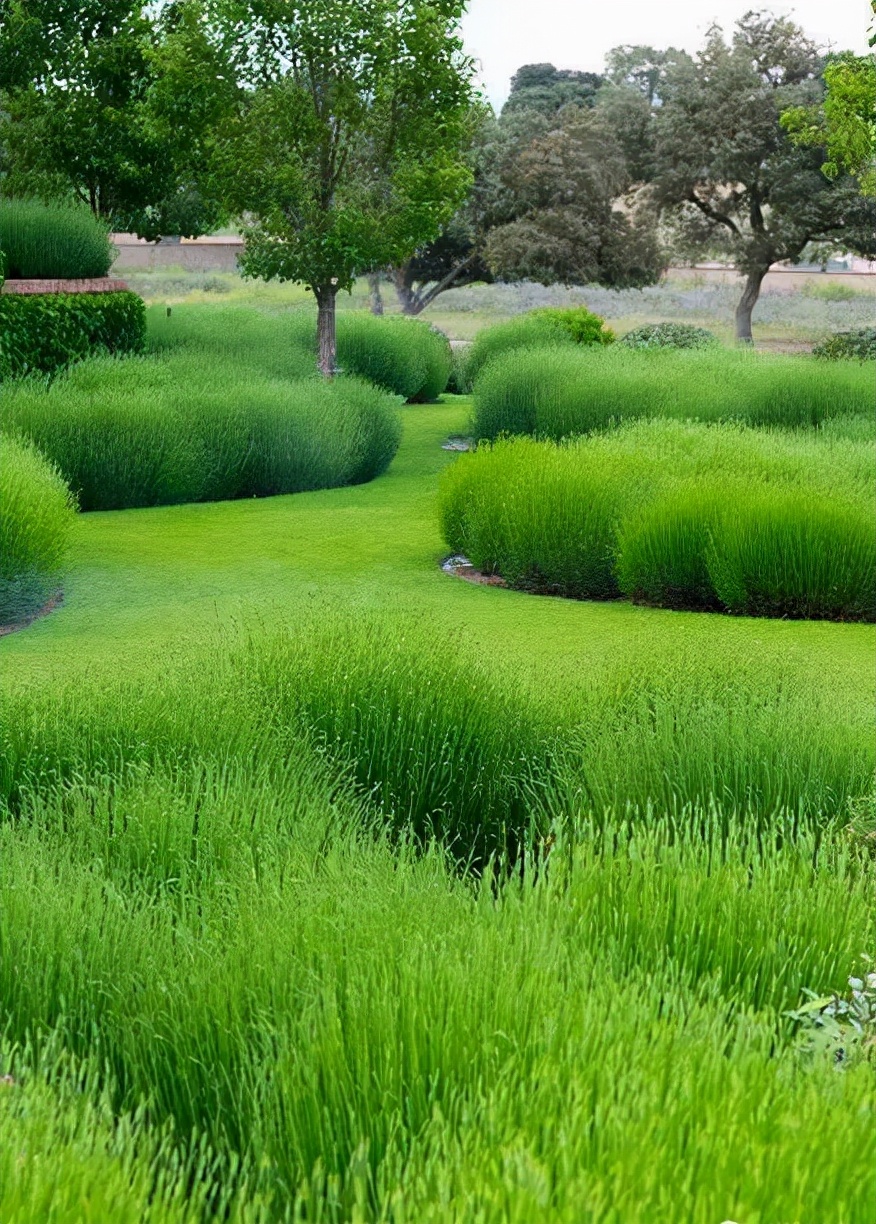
(241, 980)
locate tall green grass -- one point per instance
(36, 515)
(686, 516)
(403, 356)
(190, 427)
(276, 1010)
(555, 394)
(59, 240)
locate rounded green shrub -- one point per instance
(36, 515)
(858, 345)
(191, 427)
(405, 356)
(555, 393)
(53, 241)
(582, 325)
(662, 550)
(669, 335)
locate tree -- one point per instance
(457, 257)
(729, 177)
(81, 114)
(568, 226)
(342, 154)
(845, 122)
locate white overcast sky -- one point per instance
(503, 34)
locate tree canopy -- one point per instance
(728, 176)
(344, 147)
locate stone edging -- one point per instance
(97, 284)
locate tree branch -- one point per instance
(446, 282)
(713, 214)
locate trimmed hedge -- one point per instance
(559, 392)
(670, 335)
(43, 332)
(545, 327)
(144, 431)
(53, 241)
(858, 345)
(681, 516)
(36, 514)
(405, 356)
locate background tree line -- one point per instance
(347, 138)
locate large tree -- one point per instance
(571, 223)
(343, 152)
(844, 125)
(729, 177)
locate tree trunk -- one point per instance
(374, 287)
(325, 327)
(408, 300)
(747, 303)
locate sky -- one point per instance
(503, 34)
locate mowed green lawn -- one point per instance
(142, 583)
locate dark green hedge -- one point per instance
(43, 332)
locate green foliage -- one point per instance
(194, 427)
(858, 345)
(583, 326)
(36, 515)
(669, 335)
(781, 552)
(421, 728)
(53, 241)
(403, 355)
(528, 331)
(553, 394)
(844, 124)
(677, 515)
(728, 177)
(108, 104)
(42, 333)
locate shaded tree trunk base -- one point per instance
(326, 296)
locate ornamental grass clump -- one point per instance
(193, 427)
(677, 515)
(53, 241)
(562, 392)
(36, 517)
(403, 356)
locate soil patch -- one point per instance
(461, 567)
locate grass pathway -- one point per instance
(143, 583)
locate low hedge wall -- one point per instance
(52, 241)
(677, 515)
(42, 333)
(36, 514)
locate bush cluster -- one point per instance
(681, 516)
(36, 514)
(404, 356)
(858, 345)
(52, 241)
(146, 431)
(557, 393)
(44, 332)
(669, 335)
(582, 325)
